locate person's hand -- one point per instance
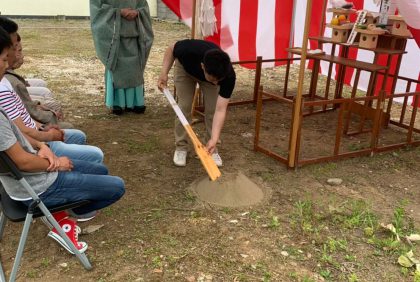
(56, 134)
(211, 146)
(46, 153)
(59, 115)
(65, 164)
(51, 126)
(162, 82)
(124, 12)
(129, 14)
(132, 14)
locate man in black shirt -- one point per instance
(202, 62)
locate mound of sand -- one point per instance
(230, 190)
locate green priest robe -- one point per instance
(123, 46)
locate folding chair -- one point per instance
(17, 212)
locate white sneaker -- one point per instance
(180, 158)
(217, 159)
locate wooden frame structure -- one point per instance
(367, 108)
(371, 109)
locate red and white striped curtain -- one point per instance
(251, 28)
(247, 28)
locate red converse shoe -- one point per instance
(72, 231)
(58, 216)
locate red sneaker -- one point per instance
(72, 231)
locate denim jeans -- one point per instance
(77, 152)
(74, 136)
(87, 181)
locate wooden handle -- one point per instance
(205, 158)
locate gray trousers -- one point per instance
(185, 88)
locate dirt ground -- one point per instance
(306, 229)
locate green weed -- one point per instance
(323, 170)
(334, 245)
(325, 273)
(358, 215)
(303, 214)
(157, 262)
(353, 277)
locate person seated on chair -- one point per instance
(63, 142)
(202, 62)
(47, 111)
(56, 180)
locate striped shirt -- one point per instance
(13, 105)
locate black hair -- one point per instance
(217, 63)
(8, 25)
(5, 41)
(18, 37)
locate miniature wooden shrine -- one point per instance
(372, 18)
(340, 24)
(369, 38)
(399, 27)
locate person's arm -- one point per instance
(33, 163)
(45, 152)
(168, 61)
(218, 121)
(50, 135)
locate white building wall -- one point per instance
(78, 8)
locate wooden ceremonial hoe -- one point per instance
(205, 158)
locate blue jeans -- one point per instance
(87, 181)
(74, 136)
(77, 152)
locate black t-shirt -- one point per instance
(190, 53)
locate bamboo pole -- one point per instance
(194, 22)
(298, 100)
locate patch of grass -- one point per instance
(294, 275)
(274, 222)
(108, 211)
(417, 276)
(353, 278)
(267, 176)
(154, 215)
(306, 278)
(404, 271)
(335, 245)
(149, 145)
(33, 273)
(351, 258)
(157, 262)
(45, 262)
(356, 214)
(303, 215)
(190, 197)
(254, 216)
(320, 171)
(357, 146)
(389, 245)
(326, 256)
(403, 224)
(325, 273)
